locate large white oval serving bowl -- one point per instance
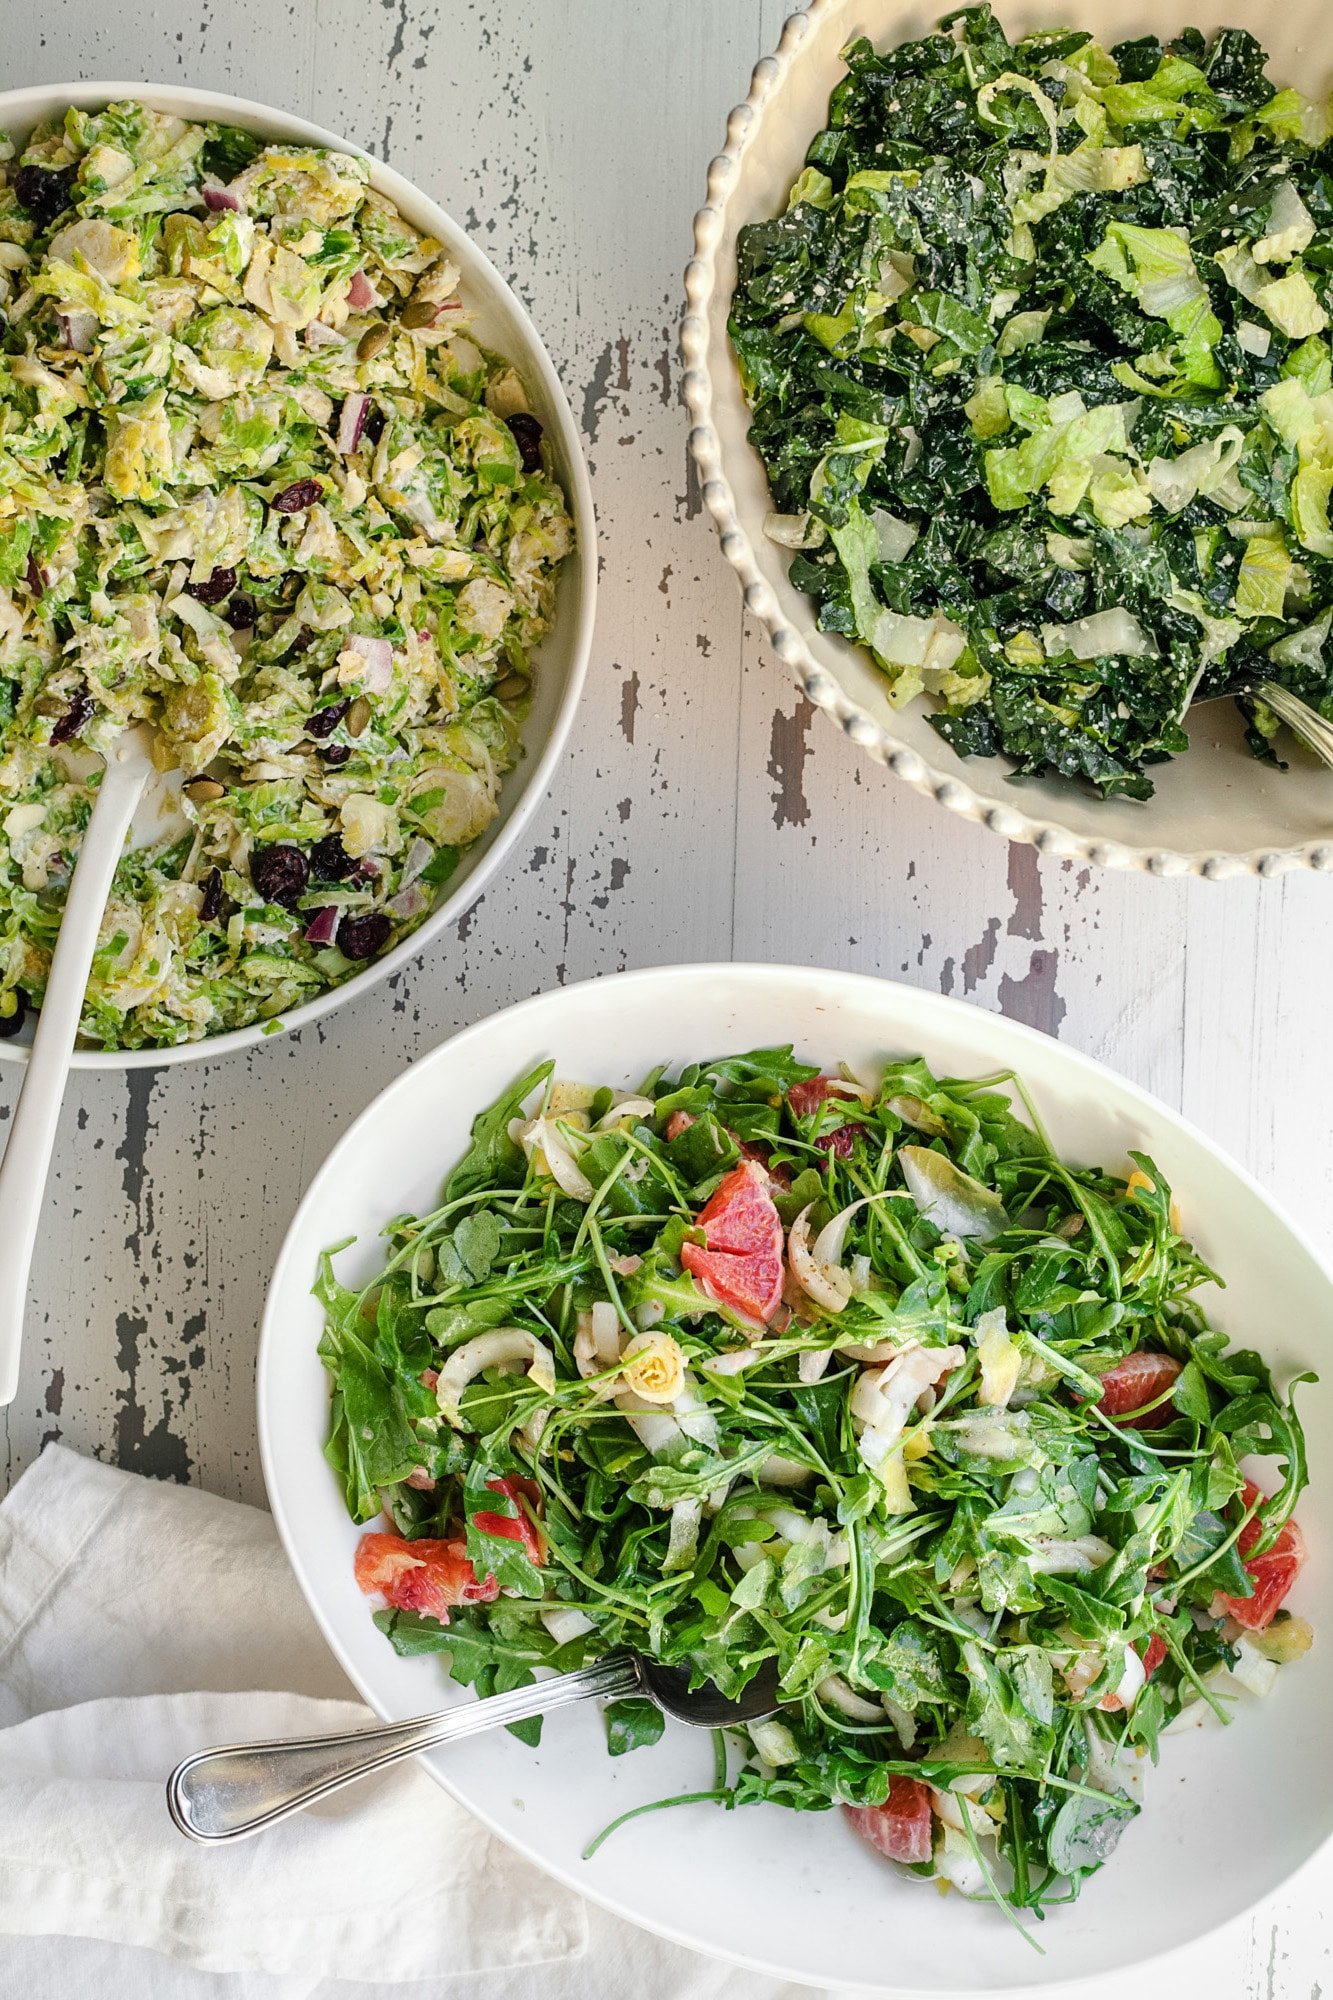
(1228, 1815)
(1216, 811)
(562, 659)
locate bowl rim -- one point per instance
(971, 801)
(273, 1424)
(533, 774)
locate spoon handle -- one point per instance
(238, 1789)
(33, 1130)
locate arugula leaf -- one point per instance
(410, 1634)
(371, 1443)
(466, 1257)
(703, 1152)
(631, 1723)
(1010, 1705)
(490, 1550)
(1206, 1533)
(493, 1159)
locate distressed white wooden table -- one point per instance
(703, 811)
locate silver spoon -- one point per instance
(1305, 723)
(240, 1788)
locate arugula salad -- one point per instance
(1039, 364)
(764, 1363)
(260, 487)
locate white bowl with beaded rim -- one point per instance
(562, 658)
(1228, 1815)
(1216, 812)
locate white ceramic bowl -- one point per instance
(562, 659)
(1216, 811)
(1228, 1815)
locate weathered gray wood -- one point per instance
(702, 812)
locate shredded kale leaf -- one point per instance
(1039, 367)
(1013, 1570)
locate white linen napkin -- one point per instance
(121, 1598)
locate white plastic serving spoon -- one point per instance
(32, 1134)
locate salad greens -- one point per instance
(258, 486)
(755, 1363)
(1039, 365)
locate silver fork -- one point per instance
(240, 1788)
(1305, 723)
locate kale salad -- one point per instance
(1040, 372)
(260, 488)
(760, 1363)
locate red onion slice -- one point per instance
(323, 926)
(78, 330)
(418, 855)
(218, 197)
(352, 421)
(361, 294)
(409, 902)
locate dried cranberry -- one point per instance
(362, 937)
(329, 859)
(242, 613)
(221, 584)
(527, 434)
(325, 720)
(335, 754)
(212, 903)
(280, 873)
(372, 430)
(72, 721)
(10, 1022)
(45, 192)
(295, 499)
(36, 581)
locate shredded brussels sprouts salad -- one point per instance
(761, 1363)
(1039, 364)
(259, 487)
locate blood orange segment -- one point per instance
(517, 1527)
(739, 1263)
(806, 1098)
(1273, 1573)
(774, 1176)
(900, 1828)
(1139, 1379)
(1153, 1655)
(426, 1576)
